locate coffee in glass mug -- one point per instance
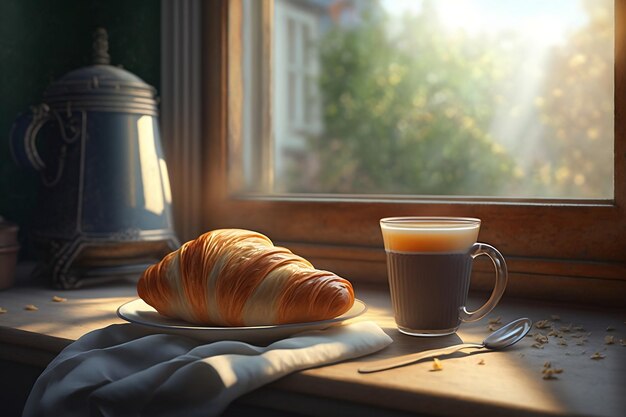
(429, 264)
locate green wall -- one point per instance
(40, 40)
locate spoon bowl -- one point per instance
(508, 334)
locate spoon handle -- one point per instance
(414, 357)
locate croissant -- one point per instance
(234, 277)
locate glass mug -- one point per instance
(429, 263)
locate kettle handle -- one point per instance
(24, 134)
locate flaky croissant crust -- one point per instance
(235, 277)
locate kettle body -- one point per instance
(104, 202)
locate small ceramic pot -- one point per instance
(8, 253)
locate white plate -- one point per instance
(138, 312)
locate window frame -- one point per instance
(557, 249)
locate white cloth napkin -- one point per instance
(123, 370)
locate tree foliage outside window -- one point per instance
(578, 109)
(409, 108)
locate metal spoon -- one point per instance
(506, 335)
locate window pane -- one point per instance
(449, 97)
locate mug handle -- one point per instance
(501, 279)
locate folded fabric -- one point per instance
(123, 370)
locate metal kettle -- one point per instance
(104, 206)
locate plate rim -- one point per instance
(198, 328)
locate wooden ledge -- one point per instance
(509, 383)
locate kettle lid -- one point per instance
(101, 83)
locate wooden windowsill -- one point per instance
(509, 383)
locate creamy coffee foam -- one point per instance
(429, 236)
